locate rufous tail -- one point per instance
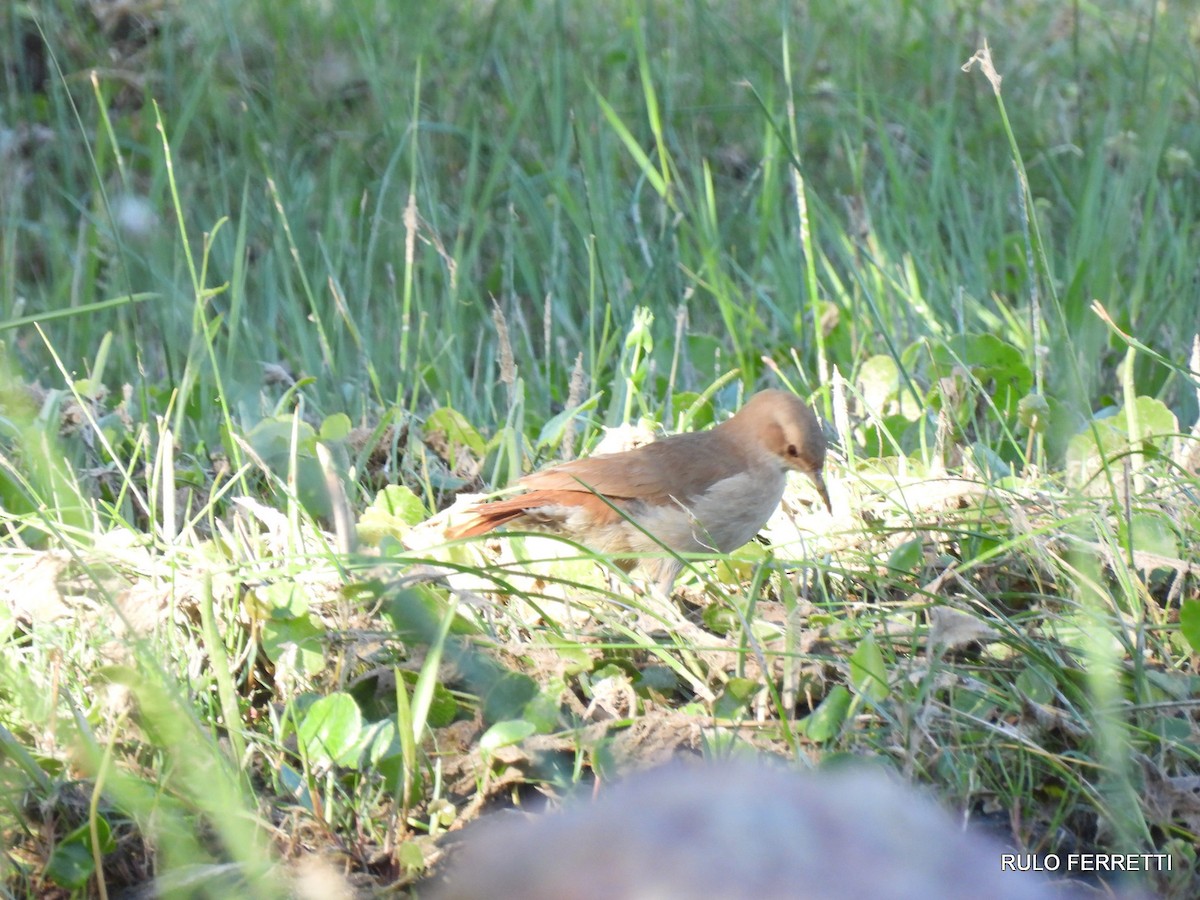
(484, 519)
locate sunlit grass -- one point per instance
(256, 265)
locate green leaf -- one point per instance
(989, 462)
(281, 600)
(1154, 418)
(987, 356)
(294, 785)
(879, 382)
(544, 710)
(997, 366)
(400, 502)
(736, 697)
(336, 427)
(330, 730)
(1150, 532)
(571, 658)
(1033, 412)
(376, 742)
(908, 558)
(868, 672)
(657, 679)
(974, 703)
(719, 618)
(272, 439)
(1036, 684)
(739, 566)
(443, 708)
(415, 613)
(890, 435)
(825, 722)
(411, 857)
(1109, 437)
(508, 696)
(613, 668)
(392, 513)
(71, 863)
(1189, 623)
(1171, 731)
(552, 432)
(506, 733)
(302, 637)
(1078, 631)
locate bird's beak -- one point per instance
(818, 481)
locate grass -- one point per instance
(275, 287)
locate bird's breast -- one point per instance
(722, 518)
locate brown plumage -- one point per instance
(705, 491)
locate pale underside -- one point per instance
(727, 515)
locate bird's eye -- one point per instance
(792, 451)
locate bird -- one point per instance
(709, 491)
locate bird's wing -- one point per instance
(677, 467)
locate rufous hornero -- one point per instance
(709, 491)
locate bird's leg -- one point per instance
(614, 588)
(665, 612)
(655, 579)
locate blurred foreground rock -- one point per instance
(739, 831)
